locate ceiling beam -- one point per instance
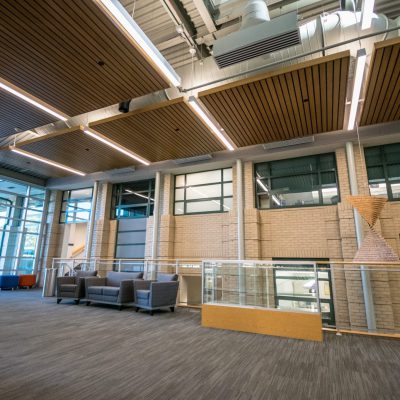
(205, 15)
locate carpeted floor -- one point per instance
(62, 352)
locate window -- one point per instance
(76, 206)
(297, 182)
(133, 199)
(21, 208)
(383, 169)
(203, 192)
(295, 288)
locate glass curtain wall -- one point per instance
(21, 208)
(76, 206)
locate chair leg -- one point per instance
(77, 301)
(151, 312)
(136, 309)
(88, 303)
(120, 308)
(59, 301)
(172, 309)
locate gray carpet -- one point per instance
(51, 352)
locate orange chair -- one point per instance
(27, 281)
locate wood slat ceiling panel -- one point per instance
(292, 102)
(75, 149)
(170, 131)
(51, 49)
(382, 95)
(22, 164)
(16, 113)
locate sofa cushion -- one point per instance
(111, 291)
(68, 288)
(167, 277)
(115, 278)
(95, 289)
(142, 294)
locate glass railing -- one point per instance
(348, 295)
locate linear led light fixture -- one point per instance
(358, 77)
(138, 194)
(101, 138)
(46, 161)
(367, 11)
(117, 10)
(193, 103)
(9, 88)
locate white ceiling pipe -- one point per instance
(255, 12)
(328, 30)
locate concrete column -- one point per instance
(366, 283)
(240, 229)
(156, 216)
(89, 241)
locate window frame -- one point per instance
(384, 164)
(318, 172)
(76, 209)
(185, 187)
(117, 198)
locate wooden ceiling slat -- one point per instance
(323, 97)
(286, 82)
(306, 100)
(243, 102)
(167, 131)
(299, 101)
(345, 62)
(317, 95)
(51, 49)
(295, 101)
(16, 113)
(267, 102)
(388, 85)
(75, 149)
(311, 99)
(284, 103)
(336, 89)
(275, 100)
(373, 76)
(230, 110)
(329, 95)
(261, 106)
(382, 93)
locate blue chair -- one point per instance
(150, 295)
(9, 281)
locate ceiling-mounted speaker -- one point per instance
(124, 106)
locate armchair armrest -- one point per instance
(163, 293)
(139, 284)
(126, 291)
(63, 280)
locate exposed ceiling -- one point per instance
(69, 54)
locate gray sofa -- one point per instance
(153, 295)
(116, 288)
(73, 287)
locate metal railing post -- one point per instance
(317, 288)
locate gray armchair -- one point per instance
(73, 287)
(116, 289)
(153, 295)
